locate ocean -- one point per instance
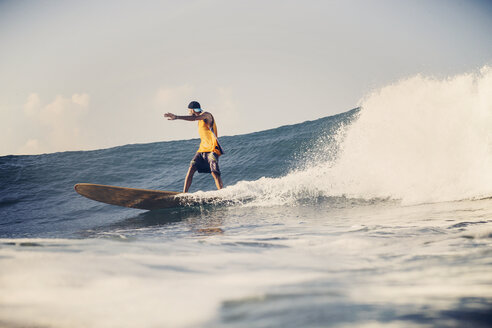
(380, 216)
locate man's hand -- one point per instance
(170, 116)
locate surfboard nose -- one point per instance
(129, 197)
(78, 186)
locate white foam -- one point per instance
(421, 139)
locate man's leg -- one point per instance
(189, 178)
(218, 180)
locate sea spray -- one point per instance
(421, 139)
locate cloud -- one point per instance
(30, 147)
(174, 97)
(32, 103)
(227, 113)
(57, 125)
(81, 99)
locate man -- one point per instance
(206, 159)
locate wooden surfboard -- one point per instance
(130, 197)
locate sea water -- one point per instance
(377, 217)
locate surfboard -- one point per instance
(143, 199)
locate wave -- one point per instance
(421, 139)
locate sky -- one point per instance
(81, 75)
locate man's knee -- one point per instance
(191, 170)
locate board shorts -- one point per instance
(206, 163)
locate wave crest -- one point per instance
(421, 139)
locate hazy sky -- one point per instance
(93, 74)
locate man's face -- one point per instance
(191, 111)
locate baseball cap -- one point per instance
(195, 105)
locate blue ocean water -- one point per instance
(328, 223)
(37, 198)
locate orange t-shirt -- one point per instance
(209, 142)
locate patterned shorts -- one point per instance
(206, 163)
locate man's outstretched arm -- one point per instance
(171, 116)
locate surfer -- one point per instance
(206, 159)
